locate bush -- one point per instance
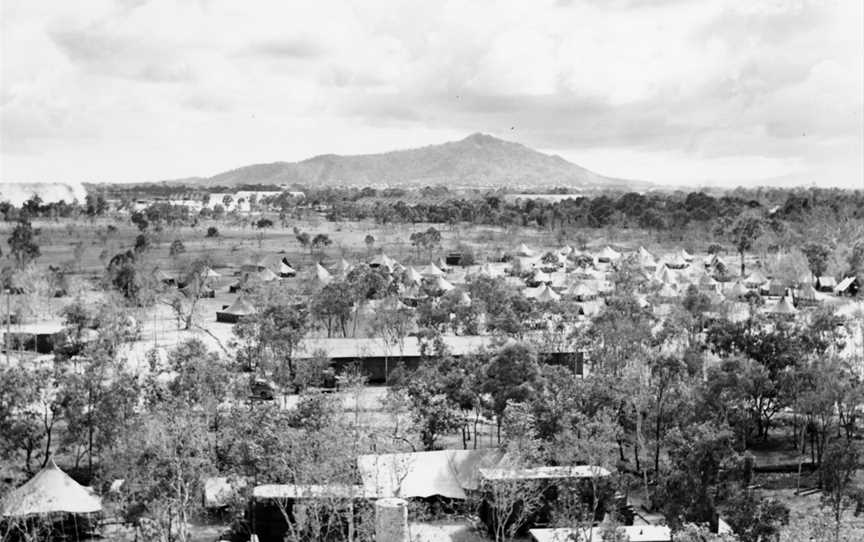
(212, 231)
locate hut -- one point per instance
(847, 286)
(453, 259)
(232, 314)
(826, 283)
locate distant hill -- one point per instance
(478, 161)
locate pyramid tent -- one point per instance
(524, 251)
(755, 279)
(783, 307)
(240, 307)
(441, 264)
(412, 276)
(547, 295)
(646, 259)
(382, 260)
(50, 491)
(265, 275)
(676, 262)
(286, 270)
(706, 282)
(210, 274)
(343, 267)
(608, 254)
(322, 275)
(737, 290)
(666, 276)
(442, 285)
(582, 292)
(667, 291)
(431, 270)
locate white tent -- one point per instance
(755, 279)
(412, 276)
(608, 254)
(524, 251)
(441, 284)
(737, 291)
(50, 491)
(286, 270)
(582, 292)
(210, 274)
(431, 270)
(782, 308)
(667, 292)
(646, 259)
(322, 275)
(383, 260)
(547, 295)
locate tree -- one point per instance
(512, 374)
(320, 241)
(369, 240)
(332, 305)
(22, 243)
(263, 223)
(817, 255)
(839, 466)
(391, 325)
(212, 232)
(742, 232)
(756, 519)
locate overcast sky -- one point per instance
(676, 91)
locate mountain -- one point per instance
(478, 161)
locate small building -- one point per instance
(848, 286)
(826, 283)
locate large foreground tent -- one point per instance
(51, 497)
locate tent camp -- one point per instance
(237, 310)
(51, 491)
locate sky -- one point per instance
(684, 92)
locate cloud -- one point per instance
(666, 85)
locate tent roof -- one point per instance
(844, 284)
(423, 474)
(432, 270)
(756, 278)
(322, 274)
(737, 290)
(547, 294)
(50, 491)
(523, 250)
(609, 253)
(412, 276)
(210, 274)
(265, 275)
(441, 284)
(285, 268)
(783, 307)
(383, 260)
(241, 307)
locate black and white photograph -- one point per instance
(432, 271)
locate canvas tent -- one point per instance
(755, 279)
(546, 295)
(783, 308)
(51, 491)
(431, 270)
(441, 285)
(237, 310)
(582, 292)
(608, 254)
(286, 271)
(737, 291)
(412, 276)
(382, 260)
(322, 275)
(525, 252)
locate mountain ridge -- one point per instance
(477, 161)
